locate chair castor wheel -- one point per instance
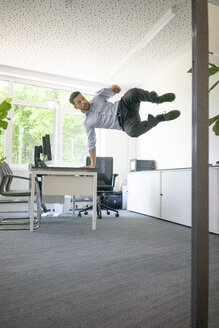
(117, 215)
(99, 216)
(79, 215)
(108, 212)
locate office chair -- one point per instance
(17, 223)
(105, 184)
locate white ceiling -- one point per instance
(87, 39)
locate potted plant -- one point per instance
(5, 106)
(212, 70)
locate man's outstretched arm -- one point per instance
(92, 153)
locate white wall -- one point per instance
(213, 111)
(169, 143)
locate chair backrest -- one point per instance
(3, 178)
(6, 180)
(104, 166)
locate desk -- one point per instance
(65, 181)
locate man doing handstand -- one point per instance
(120, 115)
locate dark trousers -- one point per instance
(128, 112)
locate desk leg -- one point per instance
(94, 217)
(73, 205)
(32, 201)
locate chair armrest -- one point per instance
(16, 176)
(114, 179)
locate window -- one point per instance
(3, 89)
(74, 140)
(33, 117)
(33, 93)
(1, 144)
(3, 94)
(29, 125)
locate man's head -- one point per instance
(79, 101)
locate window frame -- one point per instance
(58, 117)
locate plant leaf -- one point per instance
(216, 127)
(8, 99)
(5, 106)
(213, 86)
(2, 159)
(213, 119)
(213, 70)
(213, 65)
(3, 125)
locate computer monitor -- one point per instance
(37, 151)
(47, 154)
(45, 149)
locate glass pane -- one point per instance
(3, 88)
(74, 144)
(41, 94)
(1, 144)
(29, 125)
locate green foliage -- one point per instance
(214, 85)
(33, 93)
(3, 89)
(31, 123)
(215, 120)
(216, 127)
(212, 70)
(5, 106)
(74, 139)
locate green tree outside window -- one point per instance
(29, 125)
(74, 146)
(28, 92)
(3, 89)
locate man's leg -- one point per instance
(128, 111)
(134, 127)
(133, 97)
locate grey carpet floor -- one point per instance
(133, 272)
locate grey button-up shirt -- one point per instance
(102, 114)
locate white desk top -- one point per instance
(60, 168)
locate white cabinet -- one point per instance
(176, 196)
(144, 192)
(213, 200)
(167, 194)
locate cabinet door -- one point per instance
(176, 196)
(144, 192)
(213, 200)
